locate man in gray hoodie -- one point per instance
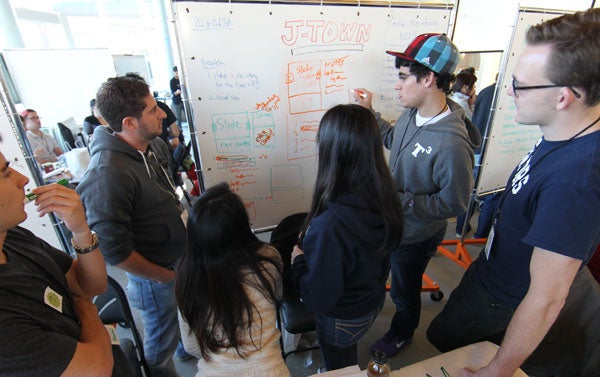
(131, 204)
(431, 158)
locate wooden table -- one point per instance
(474, 356)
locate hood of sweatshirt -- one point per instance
(105, 139)
(447, 125)
(364, 223)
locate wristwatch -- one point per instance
(88, 249)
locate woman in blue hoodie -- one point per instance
(343, 259)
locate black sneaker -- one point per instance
(390, 344)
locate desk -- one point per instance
(353, 371)
(474, 356)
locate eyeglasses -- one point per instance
(515, 88)
(34, 118)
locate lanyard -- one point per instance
(165, 175)
(536, 163)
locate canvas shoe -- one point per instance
(390, 344)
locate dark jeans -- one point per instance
(338, 338)
(471, 315)
(408, 266)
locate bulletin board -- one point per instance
(507, 141)
(258, 77)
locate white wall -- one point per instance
(59, 84)
(487, 24)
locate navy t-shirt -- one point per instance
(552, 202)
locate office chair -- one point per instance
(67, 136)
(113, 308)
(179, 155)
(293, 317)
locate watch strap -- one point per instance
(88, 249)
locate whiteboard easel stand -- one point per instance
(484, 148)
(187, 107)
(461, 257)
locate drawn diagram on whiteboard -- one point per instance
(286, 183)
(316, 85)
(302, 135)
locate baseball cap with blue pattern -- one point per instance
(434, 51)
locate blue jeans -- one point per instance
(338, 338)
(471, 315)
(158, 307)
(408, 265)
(179, 113)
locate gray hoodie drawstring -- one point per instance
(145, 163)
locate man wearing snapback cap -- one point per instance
(431, 159)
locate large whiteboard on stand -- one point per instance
(259, 77)
(507, 141)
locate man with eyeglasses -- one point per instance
(529, 289)
(45, 148)
(431, 159)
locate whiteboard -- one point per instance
(507, 141)
(13, 149)
(132, 63)
(259, 77)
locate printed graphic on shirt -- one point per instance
(421, 149)
(53, 299)
(522, 176)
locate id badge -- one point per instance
(488, 244)
(112, 333)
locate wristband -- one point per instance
(88, 249)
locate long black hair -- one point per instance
(209, 286)
(351, 160)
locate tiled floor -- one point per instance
(444, 271)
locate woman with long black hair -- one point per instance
(342, 262)
(227, 287)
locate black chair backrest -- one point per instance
(113, 307)
(284, 237)
(67, 135)
(180, 153)
(111, 304)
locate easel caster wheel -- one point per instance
(437, 296)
